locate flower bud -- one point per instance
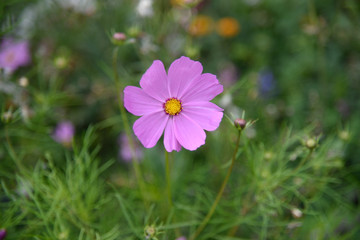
(61, 62)
(311, 143)
(344, 135)
(7, 116)
(119, 36)
(134, 32)
(23, 82)
(192, 51)
(296, 213)
(268, 156)
(240, 123)
(2, 234)
(63, 235)
(150, 232)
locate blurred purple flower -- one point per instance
(64, 132)
(125, 150)
(228, 75)
(267, 85)
(2, 234)
(14, 54)
(181, 238)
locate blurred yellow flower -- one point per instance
(178, 2)
(201, 25)
(185, 3)
(228, 27)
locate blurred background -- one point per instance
(288, 64)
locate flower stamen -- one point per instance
(172, 106)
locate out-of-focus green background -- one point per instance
(293, 66)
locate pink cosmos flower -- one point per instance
(14, 54)
(176, 103)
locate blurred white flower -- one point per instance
(251, 132)
(144, 8)
(31, 14)
(23, 81)
(26, 112)
(296, 213)
(80, 6)
(226, 100)
(293, 225)
(147, 45)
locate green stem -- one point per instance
(12, 152)
(168, 180)
(264, 227)
(218, 197)
(135, 160)
(304, 160)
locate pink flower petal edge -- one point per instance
(176, 104)
(14, 54)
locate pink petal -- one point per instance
(207, 115)
(170, 141)
(202, 105)
(181, 74)
(19, 52)
(189, 134)
(205, 89)
(149, 128)
(154, 81)
(139, 103)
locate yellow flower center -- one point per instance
(172, 106)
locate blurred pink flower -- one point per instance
(14, 54)
(177, 103)
(228, 75)
(181, 238)
(125, 150)
(2, 234)
(64, 132)
(119, 36)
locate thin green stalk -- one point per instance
(247, 204)
(222, 188)
(127, 128)
(168, 181)
(304, 160)
(264, 227)
(12, 153)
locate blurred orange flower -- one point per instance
(201, 25)
(228, 27)
(177, 2)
